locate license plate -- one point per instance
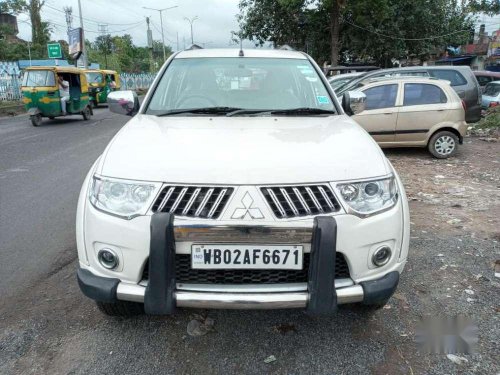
(224, 256)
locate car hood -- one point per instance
(242, 150)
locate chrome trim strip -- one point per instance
(191, 201)
(217, 203)
(179, 199)
(277, 203)
(165, 199)
(203, 203)
(289, 201)
(242, 233)
(301, 199)
(213, 300)
(325, 197)
(313, 197)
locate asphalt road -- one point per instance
(41, 172)
(48, 327)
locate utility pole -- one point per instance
(84, 52)
(103, 30)
(150, 46)
(177, 40)
(191, 20)
(161, 24)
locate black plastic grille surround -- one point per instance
(193, 201)
(185, 274)
(302, 200)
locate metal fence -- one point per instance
(10, 84)
(10, 87)
(136, 81)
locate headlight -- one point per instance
(369, 197)
(122, 198)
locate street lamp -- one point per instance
(161, 24)
(191, 20)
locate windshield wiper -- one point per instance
(302, 111)
(205, 110)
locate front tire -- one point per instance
(87, 113)
(443, 144)
(121, 308)
(36, 120)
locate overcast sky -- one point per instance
(216, 20)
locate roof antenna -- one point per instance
(241, 54)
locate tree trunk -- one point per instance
(334, 32)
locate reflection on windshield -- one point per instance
(492, 89)
(243, 83)
(34, 78)
(94, 78)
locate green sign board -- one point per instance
(54, 50)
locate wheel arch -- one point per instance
(445, 128)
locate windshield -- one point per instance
(39, 78)
(240, 83)
(492, 89)
(94, 77)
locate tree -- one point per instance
(104, 44)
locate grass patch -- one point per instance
(491, 120)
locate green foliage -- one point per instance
(490, 7)
(491, 120)
(370, 30)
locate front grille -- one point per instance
(193, 201)
(294, 201)
(185, 274)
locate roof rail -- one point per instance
(286, 47)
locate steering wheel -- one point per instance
(181, 103)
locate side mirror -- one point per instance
(353, 102)
(123, 102)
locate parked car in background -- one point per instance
(341, 79)
(414, 112)
(491, 95)
(461, 78)
(484, 77)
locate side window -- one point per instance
(455, 77)
(483, 80)
(383, 96)
(423, 93)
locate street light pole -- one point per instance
(84, 52)
(191, 20)
(161, 25)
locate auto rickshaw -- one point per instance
(101, 83)
(41, 95)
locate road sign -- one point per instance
(54, 50)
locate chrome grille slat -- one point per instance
(204, 202)
(193, 201)
(300, 200)
(277, 203)
(315, 201)
(217, 202)
(289, 201)
(165, 199)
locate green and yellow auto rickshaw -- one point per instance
(48, 89)
(101, 83)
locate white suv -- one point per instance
(240, 183)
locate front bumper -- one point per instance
(161, 294)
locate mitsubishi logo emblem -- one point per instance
(253, 212)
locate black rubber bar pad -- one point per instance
(321, 284)
(102, 289)
(159, 298)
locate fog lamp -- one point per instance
(381, 256)
(108, 259)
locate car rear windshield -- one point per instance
(423, 93)
(246, 83)
(492, 89)
(456, 78)
(94, 77)
(39, 78)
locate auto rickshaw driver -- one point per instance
(63, 92)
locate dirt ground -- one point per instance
(455, 234)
